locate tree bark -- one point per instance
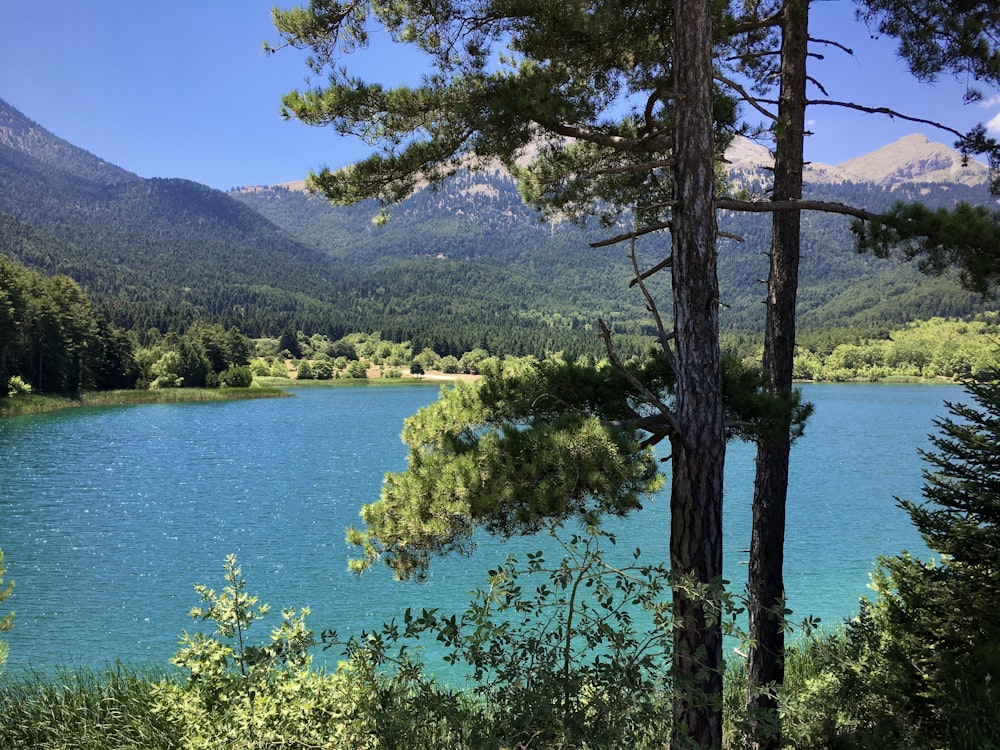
(699, 447)
(765, 668)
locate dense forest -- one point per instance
(476, 220)
(53, 339)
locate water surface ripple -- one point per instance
(108, 515)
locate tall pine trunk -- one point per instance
(699, 448)
(765, 667)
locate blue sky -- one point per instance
(183, 88)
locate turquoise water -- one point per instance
(108, 515)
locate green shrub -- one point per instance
(568, 653)
(356, 369)
(237, 376)
(237, 695)
(17, 386)
(240, 695)
(323, 369)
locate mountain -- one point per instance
(19, 134)
(461, 266)
(911, 161)
(479, 217)
(162, 253)
(153, 252)
(916, 160)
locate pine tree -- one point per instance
(568, 64)
(564, 69)
(933, 630)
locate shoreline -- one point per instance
(266, 387)
(31, 403)
(275, 387)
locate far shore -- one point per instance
(373, 373)
(274, 387)
(31, 403)
(267, 387)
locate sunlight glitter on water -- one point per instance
(111, 514)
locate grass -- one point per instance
(113, 708)
(84, 709)
(30, 403)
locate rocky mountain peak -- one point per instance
(915, 158)
(912, 159)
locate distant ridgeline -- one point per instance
(476, 220)
(463, 267)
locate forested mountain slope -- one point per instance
(163, 252)
(466, 265)
(154, 252)
(478, 217)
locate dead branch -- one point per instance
(753, 101)
(665, 263)
(639, 280)
(832, 43)
(665, 414)
(888, 112)
(760, 207)
(632, 235)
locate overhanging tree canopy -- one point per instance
(596, 96)
(616, 102)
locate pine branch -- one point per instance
(886, 111)
(731, 204)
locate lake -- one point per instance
(109, 515)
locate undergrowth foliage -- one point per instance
(562, 650)
(7, 620)
(570, 652)
(84, 710)
(568, 648)
(240, 695)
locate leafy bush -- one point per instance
(240, 695)
(267, 696)
(323, 369)
(563, 654)
(237, 376)
(17, 385)
(356, 369)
